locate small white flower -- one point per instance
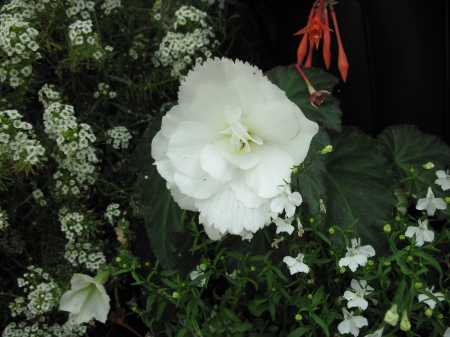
(423, 234)
(430, 301)
(355, 298)
(296, 265)
(287, 201)
(377, 333)
(196, 273)
(351, 324)
(87, 299)
(430, 203)
(284, 225)
(356, 255)
(444, 180)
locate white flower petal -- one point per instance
(198, 188)
(246, 160)
(183, 200)
(273, 170)
(244, 193)
(226, 213)
(159, 153)
(214, 162)
(439, 203)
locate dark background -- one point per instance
(398, 53)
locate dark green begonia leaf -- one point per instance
(405, 147)
(359, 186)
(289, 80)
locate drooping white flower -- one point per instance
(430, 203)
(355, 298)
(377, 333)
(351, 324)
(428, 300)
(443, 180)
(423, 234)
(296, 265)
(356, 255)
(87, 299)
(284, 225)
(287, 201)
(231, 140)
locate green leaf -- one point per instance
(298, 332)
(322, 324)
(160, 310)
(289, 80)
(241, 327)
(258, 306)
(231, 315)
(406, 146)
(311, 181)
(359, 186)
(162, 215)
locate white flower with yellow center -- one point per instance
(230, 142)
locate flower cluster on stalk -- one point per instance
(119, 137)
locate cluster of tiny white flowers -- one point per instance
(103, 89)
(76, 156)
(17, 140)
(38, 195)
(109, 5)
(43, 294)
(18, 41)
(80, 7)
(112, 211)
(77, 227)
(84, 40)
(119, 136)
(40, 329)
(188, 14)
(182, 50)
(3, 220)
(139, 44)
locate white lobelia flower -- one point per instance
(428, 300)
(430, 203)
(355, 298)
(296, 265)
(287, 201)
(351, 324)
(196, 273)
(443, 180)
(423, 234)
(284, 225)
(447, 333)
(87, 299)
(356, 255)
(231, 140)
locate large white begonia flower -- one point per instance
(230, 142)
(87, 299)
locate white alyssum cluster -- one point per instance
(103, 89)
(229, 144)
(76, 154)
(38, 195)
(42, 329)
(17, 140)
(110, 5)
(3, 220)
(140, 44)
(77, 227)
(112, 212)
(42, 294)
(85, 42)
(182, 50)
(80, 7)
(18, 42)
(119, 137)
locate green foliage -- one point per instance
(289, 80)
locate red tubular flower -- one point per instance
(326, 43)
(342, 58)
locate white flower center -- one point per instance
(240, 138)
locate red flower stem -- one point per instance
(310, 87)
(126, 326)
